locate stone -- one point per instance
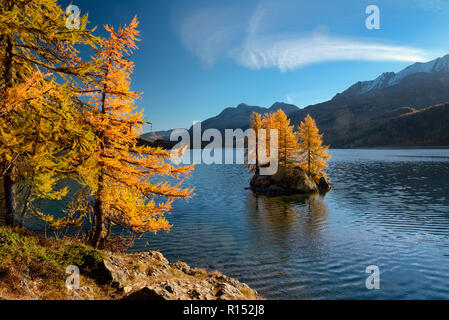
(324, 184)
(117, 274)
(305, 185)
(182, 266)
(148, 293)
(150, 276)
(227, 292)
(293, 180)
(156, 255)
(260, 182)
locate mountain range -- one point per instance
(408, 108)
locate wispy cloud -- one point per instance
(290, 52)
(210, 33)
(223, 33)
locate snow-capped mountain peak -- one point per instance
(437, 65)
(389, 79)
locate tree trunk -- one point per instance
(2, 205)
(98, 208)
(257, 153)
(98, 223)
(8, 185)
(7, 208)
(98, 215)
(310, 160)
(309, 151)
(7, 211)
(285, 154)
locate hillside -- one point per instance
(380, 112)
(229, 118)
(233, 118)
(425, 127)
(346, 111)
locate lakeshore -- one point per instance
(34, 268)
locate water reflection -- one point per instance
(282, 215)
(284, 223)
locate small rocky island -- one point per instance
(301, 157)
(295, 181)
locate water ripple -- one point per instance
(388, 208)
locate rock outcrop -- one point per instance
(150, 276)
(34, 268)
(289, 182)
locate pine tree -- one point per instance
(256, 125)
(120, 179)
(287, 138)
(313, 155)
(46, 138)
(35, 111)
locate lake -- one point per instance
(388, 208)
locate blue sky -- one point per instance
(198, 57)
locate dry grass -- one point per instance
(248, 294)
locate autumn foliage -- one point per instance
(303, 147)
(256, 124)
(48, 134)
(120, 178)
(287, 138)
(40, 130)
(313, 155)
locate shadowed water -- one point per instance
(388, 208)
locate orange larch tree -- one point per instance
(38, 64)
(120, 179)
(287, 137)
(313, 155)
(256, 124)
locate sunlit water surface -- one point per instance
(388, 208)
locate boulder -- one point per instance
(324, 184)
(304, 184)
(115, 272)
(189, 289)
(149, 293)
(182, 266)
(260, 182)
(150, 276)
(155, 255)
(227, 292)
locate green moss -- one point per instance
(85, 257)
(18, 250)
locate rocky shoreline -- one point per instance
(35, 268)
(150, 276)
